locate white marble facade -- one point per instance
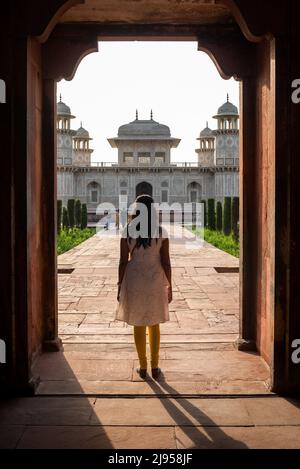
(145, 163)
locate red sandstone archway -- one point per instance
(229, 57)
(266, 313)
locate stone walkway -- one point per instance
(197, 345)
(211, 396)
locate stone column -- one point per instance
(248, 215)
(286, 369)
(49, 195)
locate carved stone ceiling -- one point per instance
(201, 12)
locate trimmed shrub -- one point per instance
(219, 216)
(59, 213)
(65, 219)
(211, 215)
(84, 217)
(205, 213)
(235, 218)
(227, 217)
(71, 212)
(78, 213)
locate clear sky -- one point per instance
(180, 84)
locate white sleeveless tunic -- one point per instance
(144, 288)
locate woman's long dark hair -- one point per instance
(153, 229)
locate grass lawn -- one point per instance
(68, 239)
(220, 241)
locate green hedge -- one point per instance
(71, 212)
(219, 216)
(227, 217)
(84, 216)
(68, 239)
(59, 215)
(205, 213)
(220, 241)
(225, 243)
(235, 218)
(211, 215)
(78, 213)
(65, 218)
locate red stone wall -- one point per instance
(265, 177)
(34, 198)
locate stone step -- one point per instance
(136, 389)
(165, 339)
(109, 349)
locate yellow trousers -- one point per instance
(140, 342)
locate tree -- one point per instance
(236, 218)
(78, 213)
(84, 217)
(71, 212)
(65, 218)
(211, 215)
(219, 216)
(205, 213)
(59, 213)
(227, 217)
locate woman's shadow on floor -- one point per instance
(208, 435)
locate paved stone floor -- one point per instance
(197, 345)
(139, 422)
(210, 395)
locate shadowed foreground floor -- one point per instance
(209, 396)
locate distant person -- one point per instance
(123, 217)
(145, 287)
(117, 220)
(105, 220)
(108, 220)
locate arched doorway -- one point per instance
(93, 192)
(144, 188)
(194, 192)
(261, 276)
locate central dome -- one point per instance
(144, 128)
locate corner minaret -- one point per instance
(64, 134)
(81, 146)
(227, 116)
(206, 151)
(227, 135)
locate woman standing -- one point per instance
(145, 287)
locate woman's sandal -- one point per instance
(156, 373)
(142, 372)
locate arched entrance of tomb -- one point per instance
(240, 43)
(144, 188)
